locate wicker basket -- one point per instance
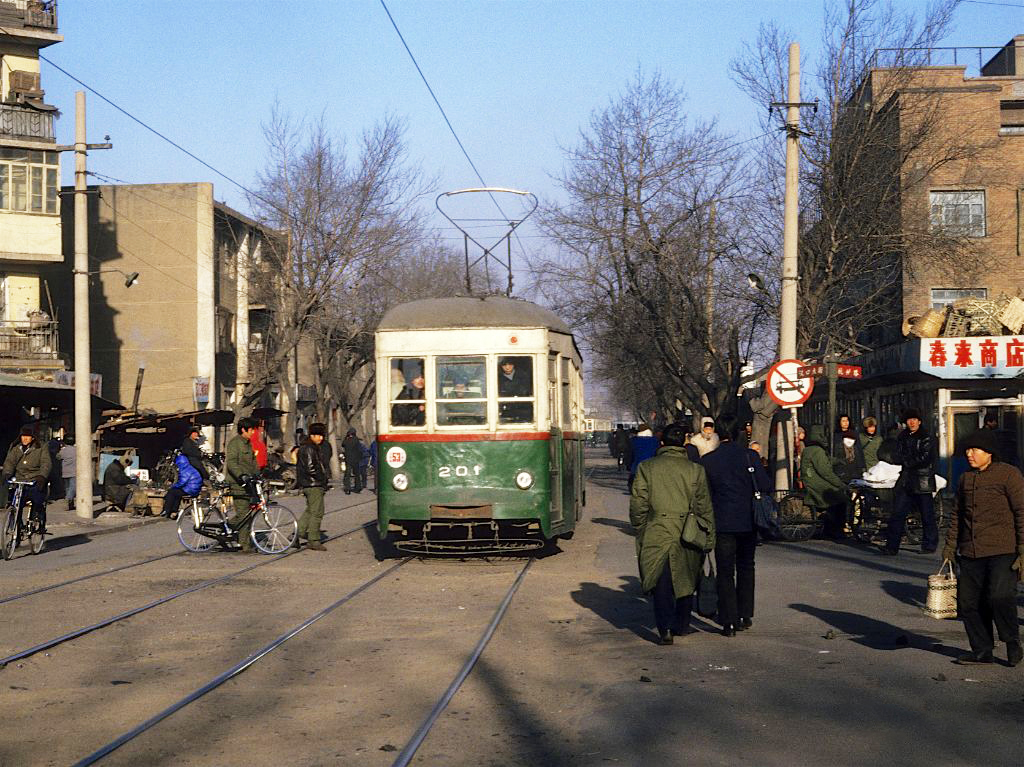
(941, 602)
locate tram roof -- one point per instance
(471, 312)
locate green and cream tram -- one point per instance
(479, 426)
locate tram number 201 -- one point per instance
(445, 472)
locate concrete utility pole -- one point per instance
(83, 371)
(790, 238)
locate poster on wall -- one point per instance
(67, 378)
(201, 390)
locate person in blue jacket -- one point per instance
(644, 445)
(188, 484)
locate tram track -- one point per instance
(75, 634)
(140, 563)
(410, 749)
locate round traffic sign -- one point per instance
(785, 386)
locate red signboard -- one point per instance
(849, 371)
(811, 371)
(819, 369)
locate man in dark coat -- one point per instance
(353, 450)
(986, 534)
(733, 471)
(666, 490)
(311, 474)
(918, 452)
(411, 414)
(190, 449)
(117, 485)
(29, 461)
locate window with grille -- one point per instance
(959, 212)
(942, 297)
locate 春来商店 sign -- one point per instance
(977, 357)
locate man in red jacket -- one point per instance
(986, 534)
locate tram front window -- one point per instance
(515, 390)
(461, 391)
(408, 396)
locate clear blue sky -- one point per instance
(517, 79)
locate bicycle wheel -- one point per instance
(273, 529)
(796, 519)
(35, 536)
(9, 534)
(189, 537)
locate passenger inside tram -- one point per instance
(515, 382)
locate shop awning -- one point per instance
(24, 392)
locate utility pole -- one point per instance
(83, 371)
(788, 308)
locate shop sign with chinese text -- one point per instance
(978, 357)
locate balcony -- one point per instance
(29, 343)
(39, 14)
(25, 123)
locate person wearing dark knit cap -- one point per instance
(918, 453)
(986, 535)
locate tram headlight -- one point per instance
(524, 480)
(400, 481)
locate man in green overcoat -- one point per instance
(824, 490)
(666, 490)
(240, 461)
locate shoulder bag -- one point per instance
(766, 510)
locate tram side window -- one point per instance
(461, 391)
(515, 389)
(408, 397)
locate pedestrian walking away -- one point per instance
(645, 445)
(667, 490)
(312, 476)
(239, 466)
(353, 450)
(28, 460)
(986, 535)
(918, 452)
(68, 458)
(733, 471)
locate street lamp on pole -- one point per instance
(130, 278)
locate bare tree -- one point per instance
(649, 252)
(875, 139)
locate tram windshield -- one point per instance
(408, 396)
(461, 391)
(515, 389)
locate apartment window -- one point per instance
(1011, 118)
(942, 297)
(959, 212)
(28, 181)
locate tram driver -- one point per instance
(413, 413)
(515, 380)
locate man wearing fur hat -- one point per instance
(918, 452)
(986, 535)
(28, 460)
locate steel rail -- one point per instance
(163, 600)
(407, 753)
(79, 579)
(235, 670)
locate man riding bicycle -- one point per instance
(28, 460)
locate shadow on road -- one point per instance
(618, 524)
(66, 541)
(911, 594)
(874, 562)
(876, 634)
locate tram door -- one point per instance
(554, 443)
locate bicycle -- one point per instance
(14, 529)
(204, 523)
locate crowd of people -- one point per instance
(694, 495)
(51, 468)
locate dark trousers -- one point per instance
(834, 522)
(987, 593)
(172, 501)
(902, 504)
(734, 553)
(352, 473)
(670, 612)
(36, 496)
